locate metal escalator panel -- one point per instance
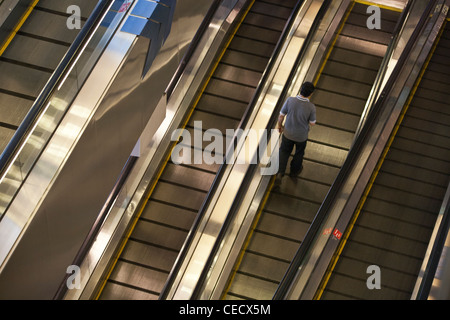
(395, 224)
(342, 89)
(30, 59)
(153, 246)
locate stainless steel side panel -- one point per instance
(38, 264)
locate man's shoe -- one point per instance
(278, 180)
(296, 173)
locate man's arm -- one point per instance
(283, 112)
(312, 117)
(280, 123)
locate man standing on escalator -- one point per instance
(300, 115)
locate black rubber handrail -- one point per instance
(385, 62)
(435, 255)
(237, 201)
(40, 103)
(192, 47)
(222, 169)
(322, 214)
(95, 229)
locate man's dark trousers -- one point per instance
(286, 148)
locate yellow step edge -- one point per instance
(16, 29)
(382, 6)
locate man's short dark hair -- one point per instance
(307, 89)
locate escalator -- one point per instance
(147, 257)
(342, 88)
(395, 223)
(30, 58)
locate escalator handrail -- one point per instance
(191, 49)
(384, 63)
(349, 163)
(202, 212)
(40, 102)
(436, 251)
(253, 167)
